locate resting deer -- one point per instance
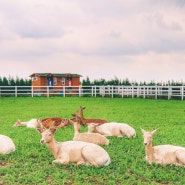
(79, 115)
(6, 145)
(162, 154)
(78, 152)
(47, 122)
(33, 123)
(88, 137)
(113, 129)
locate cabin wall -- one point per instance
(42, 81)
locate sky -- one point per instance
(139, 40)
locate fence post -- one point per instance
(95, 91)
(47, 91)
(122, 91)
(112, 91)
(15, 91)
(64, 92)
(132, 91)
(138, 91)
(169, 92)
(32, 91)
(155, 92)
(182, 92)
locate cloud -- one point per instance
(135, 39)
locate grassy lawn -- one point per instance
(31, 163)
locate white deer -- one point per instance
(6, 145)
(32, 123)
(162, 154)
(113, 129)
(78, 152)
(95, 138)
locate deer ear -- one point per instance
(82, 108)
(143, 131)
(154, 131)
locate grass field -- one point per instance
(31, 163)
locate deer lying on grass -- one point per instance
(162, 154)
(113, 129)
(33, 123)
(79, 115)
(30, 124)
(6, 145)
(78, 152)
(47, 122)
(88, 137)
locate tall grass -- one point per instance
(31, 163)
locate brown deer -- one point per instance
(79, 115)
(47, 122)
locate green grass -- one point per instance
(31, 163)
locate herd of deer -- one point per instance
(85, 147)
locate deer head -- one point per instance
(47, 134)
(147, 136)
(79, 112)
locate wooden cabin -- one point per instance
(55, 79)
(55, 83)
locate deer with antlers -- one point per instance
(86, 121)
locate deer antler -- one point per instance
(40, 127)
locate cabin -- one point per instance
(55, 79)
(55, 83)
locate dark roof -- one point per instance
(56, 74)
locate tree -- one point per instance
(86, 82)
(11, 81)
(1, 81)
(5, 81)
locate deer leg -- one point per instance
(61, 161)
(180, 154)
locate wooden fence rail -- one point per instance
(157, 92)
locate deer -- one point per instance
(76, 152)
(33, 123)
(162, 154)
(6, 145)
(113, 129)
(83, 121)
(88, 137)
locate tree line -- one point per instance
(116, 81)
(11, 81)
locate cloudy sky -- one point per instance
(141, 40)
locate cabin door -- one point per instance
(50, 81)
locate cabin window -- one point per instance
(34, 78)
(54, 80)
(63, 80)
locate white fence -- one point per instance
(162, 92)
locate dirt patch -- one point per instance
(3, 164)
